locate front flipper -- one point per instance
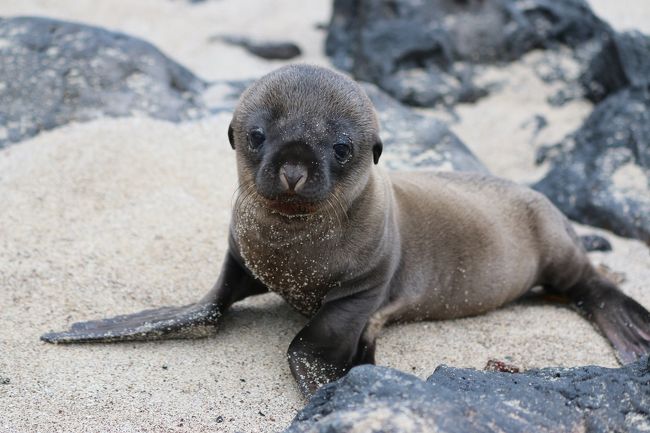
(191, 321)
(333, 342)
(623, 321)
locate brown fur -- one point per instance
(427, 234)
(406, 246)
(357, 247)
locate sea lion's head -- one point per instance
(304, 135)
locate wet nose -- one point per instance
(293, 177)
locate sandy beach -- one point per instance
(118, 215)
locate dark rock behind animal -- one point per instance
(453, 400)
(414, 141)
(623, 61)
(270, 50)
(54, 72)
(601, 174)
(422, 52)
(603, 177)
(595, 243)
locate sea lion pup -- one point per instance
(354, 248)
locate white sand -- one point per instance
(115, 216)
(508, 150)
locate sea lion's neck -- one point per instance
(293, 256)
(303, 257)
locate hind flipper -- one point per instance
(191, 321)
(626, 324)
(622, 320)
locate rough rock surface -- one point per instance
(422, 52)
(54, 72)
(601, 175)
(585, 399)
(623, 61)
(414, 141)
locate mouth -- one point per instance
(288, 205)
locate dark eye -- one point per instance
(342, 151)
(256, 137)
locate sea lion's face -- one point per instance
(305, 138)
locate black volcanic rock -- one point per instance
(600, 175)
(595, 243)
(422, 52)
(415, 141)
(623, 61)
(454, 400)
(54, 72)
(269, 50)
(602, 178)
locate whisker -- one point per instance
(329, 215)
(338, 219)
(236, 193)
(338, 201)
(240, 204)
(248, 200)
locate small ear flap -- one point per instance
(376, 150)
(231, 136)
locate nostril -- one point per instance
(293, 177)
(290, 182)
